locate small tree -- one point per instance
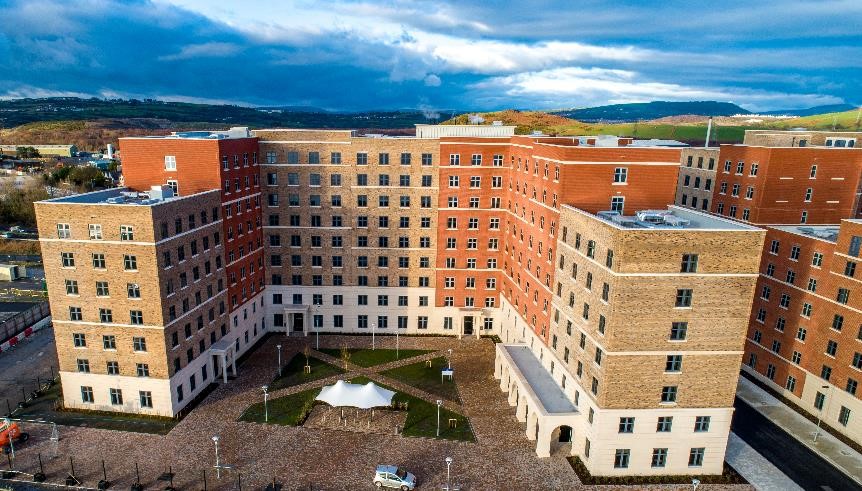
(345, 356)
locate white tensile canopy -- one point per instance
(343, 394)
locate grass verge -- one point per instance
(294, 374)
(422, 377)
(365, 357)
(290, 410)
(422, 417)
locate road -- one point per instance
(799, 463)
(20, 366)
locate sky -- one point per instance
(435, 55)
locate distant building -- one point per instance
(696, 181)
(44, 150)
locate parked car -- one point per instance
(390, 476)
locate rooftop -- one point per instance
(120, 196)
(540, 381)
(674, 218)
(828, 233)
(233, 133)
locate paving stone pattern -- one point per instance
(299, 458)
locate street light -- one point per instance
(278, 346)
(397, 355)
(820, 413)
(217, 465)
(449, 360)
(439, 403)
(448, 464)
(316, 328)
(265, 405)
(372, 336)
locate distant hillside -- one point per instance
(652, 110)
(812, 111)
(21, 111)
(841, 121)
(524, 121)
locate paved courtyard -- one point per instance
(313, 458)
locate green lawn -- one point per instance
(289, 410)
(422, 417)
(293, 373)
(43, 408)
(366, 357)
(428, 379)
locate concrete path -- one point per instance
(755, 469)
(841, 456)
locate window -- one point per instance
(95, 231)
(673, 363)
(101, 288)
(136, 317)
(683, 298)
(146, 398)
(116, 396)
(843, 295)
(83, 365)
(618, 204)
(627, 425)
(668, 394)
(621, 458)
(659, 457)
(701, 423)
(139, 344)
(678, 331)
(87, 394)
(127, 232)
(689, 263)
(620, 174)
(130, 263)
(170, 162)
(63, 231)
(71, 287)
(68, 259)
(844, 416)
(813, 173)
(695, 457)
(664, 424)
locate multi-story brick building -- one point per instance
(697, 174)
(461, 230)
(804, 188)
(640, 370)
(805, 338)
(136, 313)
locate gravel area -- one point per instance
(301, 458)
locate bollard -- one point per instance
(40, 476)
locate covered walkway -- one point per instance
(538, 399)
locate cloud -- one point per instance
(207, 50)
(575, 86)
(394, 53)
(432, 80)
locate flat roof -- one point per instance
(543, 385)
(826, 233)
(118, 197)
(673, 218)
(231, 134)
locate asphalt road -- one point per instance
(19, 367)
(793, 458)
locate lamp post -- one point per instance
(278, 346)
(265, 404)
(439, 403)
(449, 360)
(448, 464)
(372, 336)
(217, 465)
(820, 413)
(316, 328)
(397, 354)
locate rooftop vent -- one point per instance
(496, 123)
(161, 192)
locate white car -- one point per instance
(390, 476)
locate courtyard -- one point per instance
(489, 447)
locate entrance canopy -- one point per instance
(366, 396)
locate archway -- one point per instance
(561, 440)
